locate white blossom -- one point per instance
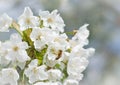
(16, 50)
(65, 57)
(37, 35)
(36, 73)
(3, 53)
(61, 39)
(42, 83)
(27, 20)
(80, 37)
(5, 22)
(71, 82)
(54, 74)
(49, 62)
(48, 83)
(75, 66)
(55, 50)
(53, 20)
(9, 76)
(42, 37)
(78, 51)
(76, 76)
(55, 83)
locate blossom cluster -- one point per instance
(40, 53)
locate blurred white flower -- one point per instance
(48, 83)
(57, 47)
(54, 51)
(27, 20)
(54, 74)
(65, 57)
(76, 76)
(9, 76)
(16, 49)
(75, 66)
(77, 51)
(3, 53)
(36, 73)
(42, 37)
(52, 20)
(48, 62)
(38, 36)
(71, 82)
(5, 22)
(42, 83)
(61, 39)
(55, 83)
(81, 36)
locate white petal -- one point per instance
(5, 22)
(82, 35)
(10, 75)
(27, 20)
(54, 74)
(33, 63)
(71, 82)
(76, 65)
(43, 14)
(27, 12)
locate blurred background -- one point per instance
(104, 19)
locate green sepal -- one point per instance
(65, 74)
(68, 50)
(57, 66)
(41, 24)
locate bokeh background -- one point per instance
(104, 19)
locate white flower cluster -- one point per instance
(41, 52)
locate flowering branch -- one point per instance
(40, 53)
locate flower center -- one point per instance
(39, 37)
(10, 73)
(35, 70)
(56, 39)
(28, 21)
(58, 53)
(49, 20)
(15, 48)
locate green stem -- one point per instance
(23, 78)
